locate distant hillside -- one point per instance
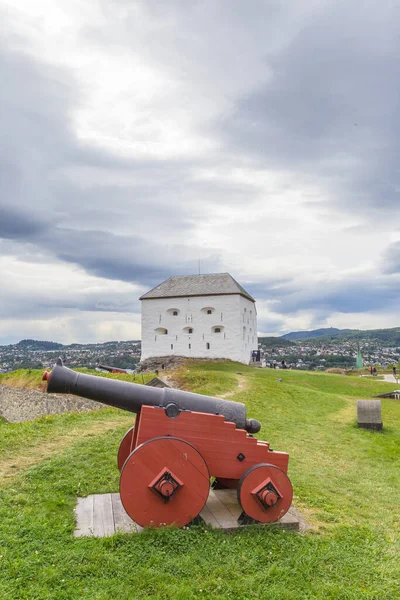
(34, 354)
(275, 342)
(303, 335)
(38, 345)
(105, 345)
(389, 337)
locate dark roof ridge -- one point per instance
(203, 284)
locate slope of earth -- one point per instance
(346, 482)
(32, 378)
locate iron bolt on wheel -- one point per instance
(265, 493)
(124, 449)
(164, 481)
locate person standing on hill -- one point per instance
(394, 372)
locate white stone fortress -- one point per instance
(199, 316)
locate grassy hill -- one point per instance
(32, 378)
(389, 337)
(275, 342)
(301, 335)
(346, 482)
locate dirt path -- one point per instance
(9, 467)
(391, 379)
(242, 385)
(348, 413)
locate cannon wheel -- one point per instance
(124, 449)
(265, 493)
(164, 481)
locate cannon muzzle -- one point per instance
(132, 396)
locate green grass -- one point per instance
(32, 378)
(346, 482)
(203, 379)
(19, 437)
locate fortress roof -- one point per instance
(215, 284)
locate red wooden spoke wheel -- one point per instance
(124, 449)
(265, 493)
(164, 481)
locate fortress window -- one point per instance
(209, 312)
(172, 346)
(208, 345)
(161, 331)
(190, 330)
(175, 313)
(217, 329)
(190, 345)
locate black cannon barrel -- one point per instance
(132, 396)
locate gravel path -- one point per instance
(18, 405)
(390, 379)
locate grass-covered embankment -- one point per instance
(346, 481)
(32, 378)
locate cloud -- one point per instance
(330, 108)
(64, 304)
(259, 138)
(51, 179)
(15, 225)
(69, 328)
(61, 288)
(351, 295)
(391, 259)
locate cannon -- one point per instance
(178, 442)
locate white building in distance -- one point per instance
(199, 316)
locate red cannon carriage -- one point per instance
(179, 441)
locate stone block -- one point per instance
(369, 414)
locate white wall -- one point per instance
(229, 312)
(248, 323)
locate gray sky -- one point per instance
(139, 136)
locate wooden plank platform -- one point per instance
(103, 515)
